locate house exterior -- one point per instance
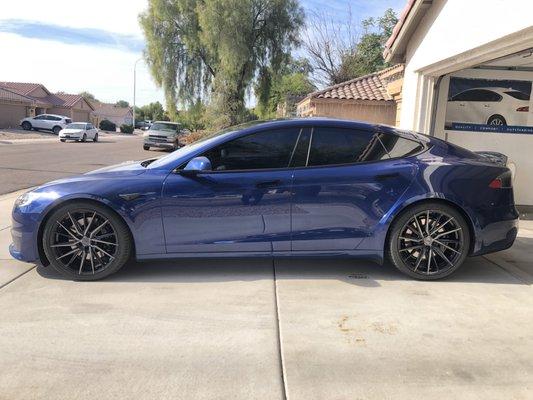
(468, 77)
(19, 100)
(366, 98)
(118, 115)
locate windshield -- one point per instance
(76, 126)
(161, 126)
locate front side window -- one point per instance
(331, 146)
(43, 116)
(262, 150)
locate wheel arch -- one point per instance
(445, 201)
(40, 250)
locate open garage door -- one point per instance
(489, 107)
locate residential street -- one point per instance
(31, 163)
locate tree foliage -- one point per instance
(338, 54)
(88, 96)
(122, 104)
(215, 49)
(152, 112)
(291, 82)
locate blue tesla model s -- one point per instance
(300, 187)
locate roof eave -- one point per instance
(395, 47)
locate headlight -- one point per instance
(23, 200)
(28, 197)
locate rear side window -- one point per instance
(400, 147)
(518, 95)
(68, 120)
(262, 150)
(331, 146)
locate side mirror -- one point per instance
(196, 165)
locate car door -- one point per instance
(39, 121)
(90, 131)
(241, 205)
(345, 187)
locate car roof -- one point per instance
(165, 122)
(54, 115)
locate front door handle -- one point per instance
(383, 177)
(268, 184)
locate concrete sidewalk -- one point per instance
(248, 329)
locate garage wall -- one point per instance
(81, 116)
(515, 146)
(378, 112)
(450, 28)
(11, 114)
(59, 111)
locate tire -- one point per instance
(146, 147)
(84, 138)
(56, 130)
(428, 259)
(95, 138)
(26, 126)
(62, 140)
(496, 119)
(66, 246)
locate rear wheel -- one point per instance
(86, 241)
(496, 120)
(429, 241)
(95, 139)
(84, 138)
(145, 147)
(62, 140)
(56, 130)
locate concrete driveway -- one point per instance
(258, 329)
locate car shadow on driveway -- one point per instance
(350, 271)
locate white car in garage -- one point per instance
(47, 122)
(79, 131)
(488, 105)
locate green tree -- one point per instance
(367, 56)
(290, 83)
(216, 49)
(89, 96)
(152, 111)
(122, 104)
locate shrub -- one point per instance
(107, 125)
(126, 128)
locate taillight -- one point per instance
(503, 181)
(523, 109)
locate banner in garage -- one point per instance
(489, 105)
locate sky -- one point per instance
(74, 46)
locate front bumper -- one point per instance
(24, 237)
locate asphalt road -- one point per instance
(34, 163)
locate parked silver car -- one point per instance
(47, 122)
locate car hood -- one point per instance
(126, 168)
(70, 131)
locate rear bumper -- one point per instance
(498, 232)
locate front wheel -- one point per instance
(84, 138)
(429, 241)
(146, 147)
(62, 140)
(86, 241)
(26, 126)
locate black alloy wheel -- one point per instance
(429, 241)
(85, 241)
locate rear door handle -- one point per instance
(383, 177)
(267, 184)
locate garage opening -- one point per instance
(489, 107)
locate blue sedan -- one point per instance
(302, 187)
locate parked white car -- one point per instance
(48, 122)
(79, 131)
(488, 105)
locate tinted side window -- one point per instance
(518, 95)
(400, 147)
(262, 150)
(330, 146)
(40, 117)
